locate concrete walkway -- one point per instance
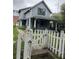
(43, 51)
(39, 51)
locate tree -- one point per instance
(63, 12)
(61, 15)
(63, 9)
(60, 18)
(57, 16)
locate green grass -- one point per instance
(15, 37)
(15, 33)
(14, 51)
(22, 28)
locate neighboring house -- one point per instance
(15, 16)
(36, 17)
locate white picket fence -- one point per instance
(47, 38)
(42, 39)
(39, 39)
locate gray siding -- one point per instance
(28, 15)
(35, 10)
(22, 16)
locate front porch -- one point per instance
(38, 23)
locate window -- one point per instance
(41, 11)
(24, 22)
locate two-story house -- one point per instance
(37, 16)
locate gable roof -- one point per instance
(24, 9)
(44, 4)
(35, 6)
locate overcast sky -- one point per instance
(52, 4)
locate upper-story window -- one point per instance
(41, 11)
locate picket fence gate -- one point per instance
(50, 39)
(53, 40)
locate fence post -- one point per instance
(63, 46)
(57, 43)
(60, 44)
(27, 45)
(51, 40)
(54, 41)
(46, 38)
(18, 47)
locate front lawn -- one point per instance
(15, 33)
(15, 37)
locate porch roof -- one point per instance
(43, 17)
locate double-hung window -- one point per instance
(41, 11)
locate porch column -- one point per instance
(29, 22)
(35, 23)
(56, 27)
(20, 23)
